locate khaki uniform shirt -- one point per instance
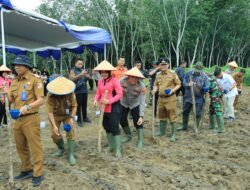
(61, 105)
(164, 80)
(32, 84)
(238, 79)
(167, 104)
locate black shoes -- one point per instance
(37, 181)
(87, 120)
(29, 174)
(24, 175)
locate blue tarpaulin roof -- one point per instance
(30, 31)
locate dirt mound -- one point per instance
(205, 161)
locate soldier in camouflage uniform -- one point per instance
(215, 107)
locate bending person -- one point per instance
(62, 108)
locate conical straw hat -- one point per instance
(135, 72)
(61, 86)
(233, 64)
(4, 68)
(104, 66)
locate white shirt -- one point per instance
(227, 83)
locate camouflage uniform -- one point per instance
(215, 93)
(215, 111)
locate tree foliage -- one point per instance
(211, 31)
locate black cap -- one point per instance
(22, 60)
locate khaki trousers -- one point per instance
(58, 120)
(28, 140)
(167, 108)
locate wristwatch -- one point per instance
(28, 107)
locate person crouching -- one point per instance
(62, 108)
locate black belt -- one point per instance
(28, 114)
(165, 96)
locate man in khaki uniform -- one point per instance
(238, 77)
(167, 83)
(62, 108)
(26, 93)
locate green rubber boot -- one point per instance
(184, 123)
(128, 134)
(140, 143)
(173, 137)
(71, 144)
(110, 142)
(220, 123)
(117, 145)
(60, 146)
(163, 126)
(212, 122)
(198, 120)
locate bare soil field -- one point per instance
(203, 162)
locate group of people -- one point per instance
(119, 92)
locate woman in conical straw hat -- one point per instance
(62, 108)
(4, 80)
(112, 111)
(134, 97)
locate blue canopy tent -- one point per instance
(24, 30)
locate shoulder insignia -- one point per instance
(36, 75)
(158, 73)
(171, 71)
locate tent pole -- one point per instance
(105, 52)
(34, 59)
(3, 38)
(96, 58)
(61, 60)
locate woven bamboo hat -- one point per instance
(135, 72)
(104, 66)
(61, 86)
(233, 64)
(4, 68)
